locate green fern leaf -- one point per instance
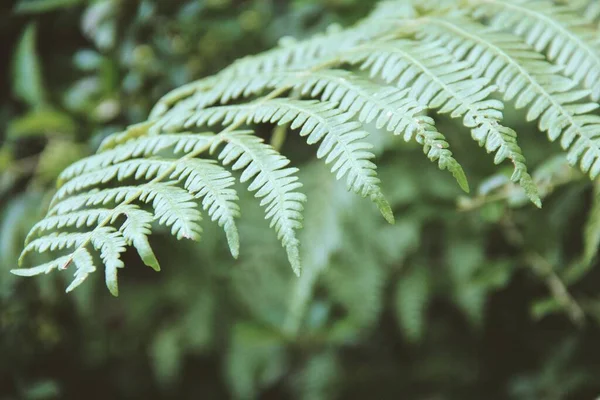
(84, 265)
(111, 243)
(434, 56)
(341, 141)
(522, 75)
(175, 208)
(558, 30)
(439, 82)
(274, 184)
(138, 148)
(135, 230)
(391, 108)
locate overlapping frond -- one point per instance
(138, 148)
(523, 76)
(436, 80)
(389, 107)
(341, 140)
(275, 184)
(557, 30)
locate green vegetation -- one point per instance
(160, 126)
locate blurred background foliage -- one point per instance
(463, 298)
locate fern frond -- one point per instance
(341, 139)
(76, 219)
(135, 230)
(524, 76)
(556, 29)
(440, 82)
(138, 169)
(390, 108)
(201, 178)
(431, 56)
(84, 265)
(118, 138)
(207, 180)
(176, 208)
(54, 242)
(289, 55)
(45, 268)
(275, 184)
(110, 243)
(107, 240)
(141, 147)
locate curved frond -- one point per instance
(523, 76)
(389, 107)
(135, 230)
(557, 30)
(176, 208)
(275, 184)
(439, 82)
(290, 55)
(341, 140)
(142, 147)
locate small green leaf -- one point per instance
(385, 209)
(41, 122)
(146, 254)
(27, 75)
(411, 300)
(460, 176)
(543, 307)
(41, 6)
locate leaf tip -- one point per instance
(294, 258)
(385, 209)
(461, 178)
(233, 241)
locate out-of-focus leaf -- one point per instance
(17, 216)
(81, 95)
(319, 378)
(591, 241)
(411, 299)
(27, 75)
(198, 322)
(42, 390)
(465, 259)
(98, 24)
(544, 307)
(6, 157)
(255, 359)
(38, 122)
(87, 60)
(41, 6)
(399, 240)
(57, 155)
(166, 354)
